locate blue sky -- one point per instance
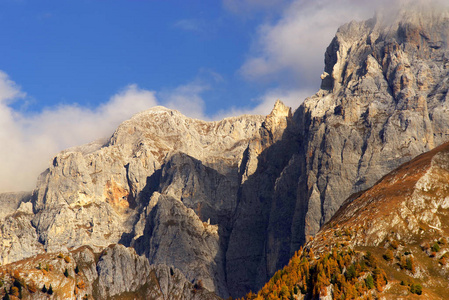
(72, 70)
(85, 51)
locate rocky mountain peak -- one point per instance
(277, 122)
(180, 175)
(280, 110)
(420, 33)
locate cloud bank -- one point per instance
(29, 141)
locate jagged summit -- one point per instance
(155, 110)
(281, 110)
(420, 32)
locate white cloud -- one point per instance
(9, 90)
(29, 141)
(187, 99)
(70, 125)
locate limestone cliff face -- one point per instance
(110, 195)
(97, 195)
(17, 235)
(383, 101)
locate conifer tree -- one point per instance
(369, 282)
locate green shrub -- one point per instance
(410, 264)
(436, 247)
(370, 260)
(416, 289)
(369, 281)
(350, 273)
(295, 290)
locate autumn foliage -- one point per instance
(351, 275)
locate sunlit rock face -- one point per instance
(165, 184)
(229, 202)
(109, 195)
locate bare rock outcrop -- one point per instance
(94, 198)
(114, 273)
(17, 234)
(193, 245)
(10, 202)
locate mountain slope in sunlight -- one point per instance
(391, 240)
